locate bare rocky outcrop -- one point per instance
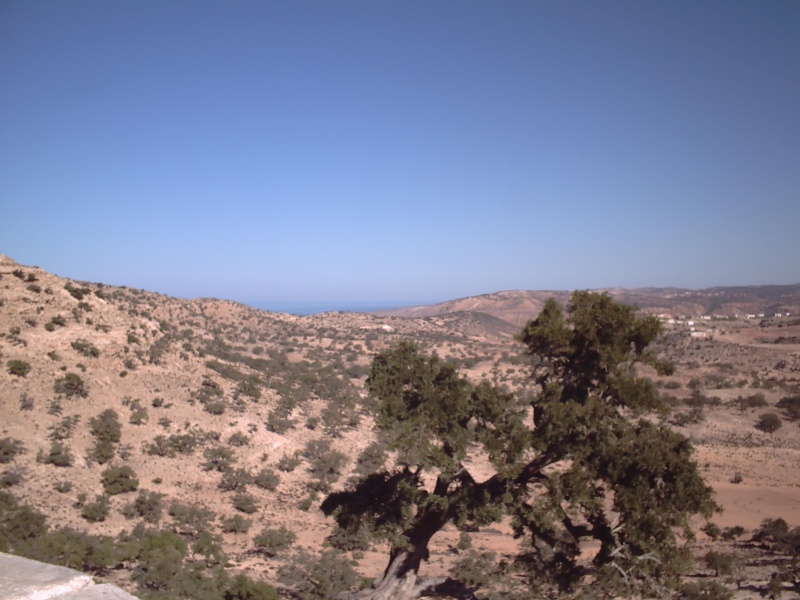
(25, 579)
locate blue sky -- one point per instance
(393, 151)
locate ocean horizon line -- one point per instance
(313, 307)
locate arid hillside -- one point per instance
(518, 306)
(125, 410)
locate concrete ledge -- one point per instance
(25, 579)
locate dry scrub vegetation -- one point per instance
(183, 448)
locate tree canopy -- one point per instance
(583, 458)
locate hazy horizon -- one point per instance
(380, 151)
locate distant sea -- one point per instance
(314, 308)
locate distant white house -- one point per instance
(699, 334)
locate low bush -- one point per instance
(71, 385)
(97, 511)
(769, 423)
(318, 577)
(267, 479)
(20, 368)
(119, 480)
(245, 503)
(59, 455)
(10, 448)
(271, 541)
(85, 348)
(147, 505)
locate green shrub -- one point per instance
(75, 550)
(242, 588)
(58, 455)
(71, 385)
(236, 524)
(235, 480)
(289, 463)
(791, 406)
(64, 428)
(704, 590)
(769, 423)
(245, 503)
(272, 541)
(9, 448)
(76, 292)
(218, 459)
(11, 478)
(96, 511)
(85, 348)
(147, 505)
(753, 401)
(20, 368)
(267, 479)
(119, 480)
(191, 519)
(719, 562)
(318, 577)
(238, 439)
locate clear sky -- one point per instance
(390, 151)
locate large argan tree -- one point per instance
(583, 459)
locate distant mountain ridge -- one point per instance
(517, 306)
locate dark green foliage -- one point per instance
(107, 431)
(719, 562)
(147, 505)
(9, 448)
(20, 368)
(279, 420)
(325, 464)
(317, 577)
(172, 445)
(712, 530)
(119, 480)
(96, 511)
(11, 478)
(271, 541)
(18, 523)
(769, 423)
(236, 524)
(73, 549)
(191, 519)
(59, 455)
(753, 401)
(71, 385)
(85, 348)
(245, 503)
(235, 480)
(594, 467)
(77, 292)
(242, 588)
(477, 569)
(289, 463)
(267, 479)
(791, 406)
(159, 558)
(238, 439)
(372, 459)
(731, 533)
(704, 590)
(63, 429)
(218, 459)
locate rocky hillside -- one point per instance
(517, 307)
(126, 413)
